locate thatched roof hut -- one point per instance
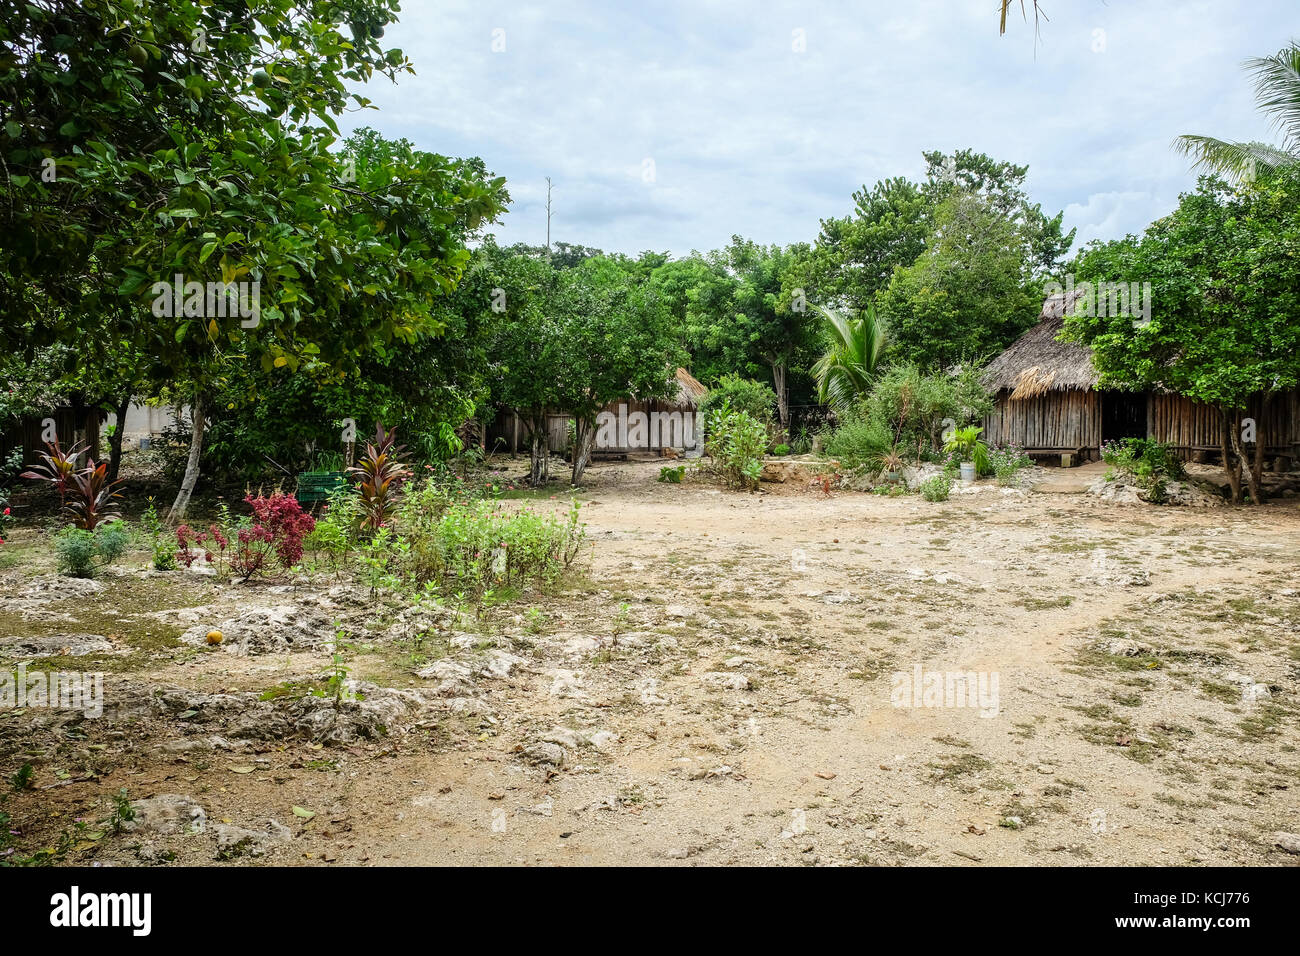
(1037, 363)
(636, 425)
(1047, 401)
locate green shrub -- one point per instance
(860, 441)
(914, 406)
(1151, 465)
(740, 394)
(80, 553)
(673, 475)
(781, 450)
(734, 442)
(936, 488)
(473, 546)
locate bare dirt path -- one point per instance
(720, 687)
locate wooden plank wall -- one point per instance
(557, 424)
(1191, 425)
(1061, 419)
(70, 429)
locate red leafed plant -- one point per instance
(382, 473)
(277, 529)
(91, 493)
(186, 555)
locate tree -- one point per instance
(194, 139)
(969, 294)
(1224, 269)
(857, 350)
(1277, 91)
(854, 257)
(615, 341)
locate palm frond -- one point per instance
(1277, 91)
(1237, 161)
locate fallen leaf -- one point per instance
(303, 812)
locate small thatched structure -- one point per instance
(1047, 401)
(637, 425)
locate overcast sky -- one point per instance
(670, 126)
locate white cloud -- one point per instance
(749, 136)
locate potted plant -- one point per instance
(888, 465)
(971, 452)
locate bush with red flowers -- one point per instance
(276, 531)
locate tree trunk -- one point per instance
(182, 502)
(539, 449)
(1252, 478)
(1231, 466)
(584, 434)
(115, 440)
(782, 396)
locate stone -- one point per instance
(268, 630)
(1290, 842)
(543, 752)
(167, 814)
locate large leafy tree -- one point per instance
(194, 138)
(1225, 314)
(615, 339)
(968, 295)
(1277, 91)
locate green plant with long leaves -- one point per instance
(966, 444)
(1277, 93)
(857, 348)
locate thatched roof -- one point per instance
(689, 389)
(1036, 363)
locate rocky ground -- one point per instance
(718, 684)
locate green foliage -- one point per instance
(80, 553)
(969, 295)
(742, 394)
(1277, 91)
(936, 488)
(734, 445)
(914, 406)
(1151, 465)
(672, 475)
(860, 441)
(476, 546)
(856, 349)
(1006, 463)
(1224, 323)
(965, 443)
(781, 450)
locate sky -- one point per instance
(672, 126)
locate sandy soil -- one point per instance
(718, 685)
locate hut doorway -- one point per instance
(1123, 415)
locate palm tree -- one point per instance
(857, 349)
(1277, 91)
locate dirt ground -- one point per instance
(717, 685)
